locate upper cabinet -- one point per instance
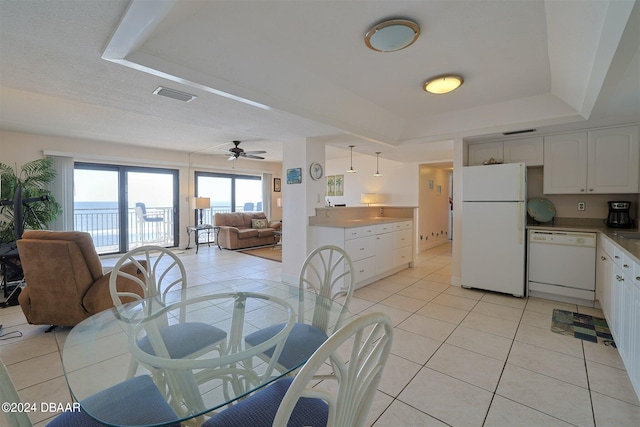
(527, 150)
(603, 161)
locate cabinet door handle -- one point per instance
(603, 258)
(616, 257)
(619, 278)
(591, 189)
(625, 265)
(582, 190)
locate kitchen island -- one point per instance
(379, 240)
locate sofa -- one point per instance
(239, 230)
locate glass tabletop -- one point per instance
(105, 350)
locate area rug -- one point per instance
(266, 252)
(582, 326)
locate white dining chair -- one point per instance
(328, 273)
(234, 370)
(164, 279)
(344, 399)
(135, 401)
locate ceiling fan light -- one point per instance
(443, 84)
(392, 35)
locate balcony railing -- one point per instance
(104, 226)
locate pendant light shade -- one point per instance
(351, 169)
(377, 165)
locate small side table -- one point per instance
(197, 229)
(277, 237)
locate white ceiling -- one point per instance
(271, 73)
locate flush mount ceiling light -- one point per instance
(377, 166)
(443, 84)
(392, 35)
(351, 169)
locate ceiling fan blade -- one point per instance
(251, 156)
(255, 152)
(232, 157)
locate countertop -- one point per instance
(351, 223)
(631, 246)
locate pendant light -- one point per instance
(377, 165)
(351, 169)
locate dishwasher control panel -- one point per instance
(569, 238)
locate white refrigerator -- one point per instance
(493, 227)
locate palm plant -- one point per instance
(33, 179)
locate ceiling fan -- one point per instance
(239, 152)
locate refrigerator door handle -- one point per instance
(520, 223)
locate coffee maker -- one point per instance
(619, 215)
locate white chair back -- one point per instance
(328, 271)
(367, 342)
(9, 394)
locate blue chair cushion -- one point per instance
(136, 401)
(302, 342)
(259, 410)
(183, 339)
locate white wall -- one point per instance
(397, 187)
(19, 148)
(433, 215)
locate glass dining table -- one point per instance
(99, 352)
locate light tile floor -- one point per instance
(460, 357)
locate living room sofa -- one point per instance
(239, 230)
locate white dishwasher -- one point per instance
(561, 266)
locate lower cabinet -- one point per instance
(376, 251)
(618, 290)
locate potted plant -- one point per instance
(26, 188)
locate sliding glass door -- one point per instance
(124, 207)
(229, 193)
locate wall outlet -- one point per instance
(582, 206)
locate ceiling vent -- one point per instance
(174, 94)
(518, 132)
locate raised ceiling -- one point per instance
(275, 72)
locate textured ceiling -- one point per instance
(272, 73)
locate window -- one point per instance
(229, 193)
(124, 207)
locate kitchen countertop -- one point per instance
(631, 246)
(350, 223)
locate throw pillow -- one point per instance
(259, 223)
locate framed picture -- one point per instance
(331, 185)
(339, 185)
(294, 176)
(439, 190)
(277, 185)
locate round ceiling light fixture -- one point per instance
(392, 35)
(443, 84)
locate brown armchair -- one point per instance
(65, 282)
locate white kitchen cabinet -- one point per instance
(384, 252)
(620, 301)
(604, 276)
(603, 161)
(565, 163)
(483, 152)
(529, 151)
(613, 160)
(371, 248)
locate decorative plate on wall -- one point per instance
(540, 209)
